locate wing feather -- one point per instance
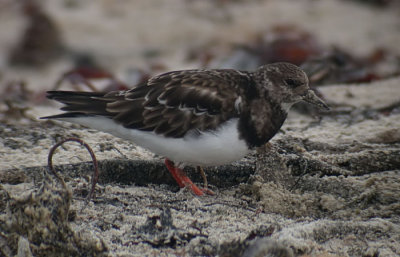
(170, 104)
(173, 103)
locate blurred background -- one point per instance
(340, 167)
(75, 44)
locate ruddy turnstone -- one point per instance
(195, 117)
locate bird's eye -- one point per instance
(293, 83)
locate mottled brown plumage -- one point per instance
(170, 104)
(173, 103)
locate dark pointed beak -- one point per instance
(312, 98)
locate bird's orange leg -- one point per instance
(171, 168)
(183, 180)
(203, 175)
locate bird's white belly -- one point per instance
(207, 149)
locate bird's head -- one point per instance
(287, 84)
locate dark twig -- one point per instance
(95, 176)
(300, 177)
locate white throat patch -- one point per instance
(286, 106)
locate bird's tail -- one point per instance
(79, 104)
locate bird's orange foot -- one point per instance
(184, 181)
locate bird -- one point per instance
(197, 117)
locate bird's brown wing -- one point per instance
(170, 104)
(174, 103)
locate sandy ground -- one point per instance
(325, 186)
